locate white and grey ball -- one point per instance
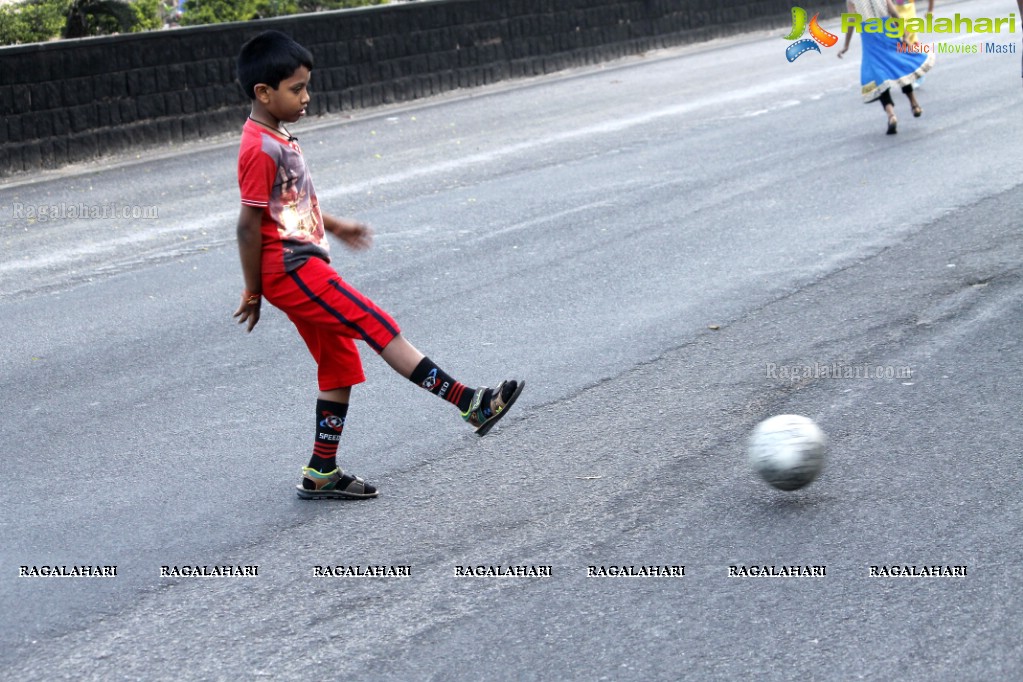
(787, 451)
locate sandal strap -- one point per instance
(351, 484)
(477, 400)
(496, 401)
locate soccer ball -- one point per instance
(787, 451)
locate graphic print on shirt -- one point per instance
(293, 205)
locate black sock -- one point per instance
(330, 422)
(433, 379)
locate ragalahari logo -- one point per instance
(799, 26)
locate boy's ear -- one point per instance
(262, 91)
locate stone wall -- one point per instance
(68, 101)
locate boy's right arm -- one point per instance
(250, 249)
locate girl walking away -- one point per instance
(887, 61)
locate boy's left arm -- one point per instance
(354, 234)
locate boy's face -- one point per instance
(288, 101)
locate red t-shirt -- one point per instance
(272, 175)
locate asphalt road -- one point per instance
(583, 232)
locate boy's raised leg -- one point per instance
(481, 407)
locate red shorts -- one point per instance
(330, 314)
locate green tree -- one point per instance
(217, 11)
(150, 14)
(33, 21)
(321, 5)
(99, 17)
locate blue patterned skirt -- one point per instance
(885, 67)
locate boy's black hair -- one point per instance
(269, 58)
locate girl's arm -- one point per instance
(848, 40)
(849, 31)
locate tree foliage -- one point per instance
(217, 11)
(98, 17)
(35, 21)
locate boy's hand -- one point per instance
(354, 234)
(248, 311)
